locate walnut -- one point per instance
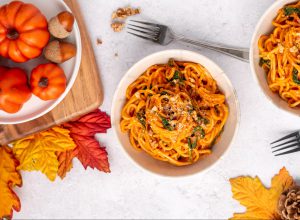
(120, 15)
(123, 13)
(117, 26)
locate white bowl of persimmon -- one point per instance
(40, 56)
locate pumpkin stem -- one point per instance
(12, 34)
(43, 82)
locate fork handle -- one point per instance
(238, 53)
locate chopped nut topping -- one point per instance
(138, 95)
(294, 49)
(117, 26)
(123, 13)
(120, 15)
(280, 48)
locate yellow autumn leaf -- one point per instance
(38, 152)
(261, 203)
(9, 178)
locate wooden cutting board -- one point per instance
(85, 96)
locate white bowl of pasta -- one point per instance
(275, 55)
(175, 113)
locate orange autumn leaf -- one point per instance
(9, 178)
(88, 150)
(261, 202)
(65, 162)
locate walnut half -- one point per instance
(123, 13)
(117, 26)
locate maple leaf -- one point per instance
(90, 124)
(65, 162)
(9, 178)
(90, 153)
(38, 152)
(88, 149)
(261, 203)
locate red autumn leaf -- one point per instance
(90, 124)
(88, 149)
(90, 153)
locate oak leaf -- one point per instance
(9, 178)
(38, 152)
(261, 203)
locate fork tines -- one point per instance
(290, 143)
(145, 30)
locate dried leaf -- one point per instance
(38, 152)
(90, 124)
(261, 203)
(88, 150)
(9, 178)
(90, 153)
(65, 162)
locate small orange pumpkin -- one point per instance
(23, 31)
(14, 90)
(48, 81)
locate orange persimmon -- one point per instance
(23, 31)
(48, 81)
(14, 90)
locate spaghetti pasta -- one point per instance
(280, 55)
(174, 112)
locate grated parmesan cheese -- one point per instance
(138, 95)
(154, 109)
(294, 49)
(280, 48)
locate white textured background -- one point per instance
(129, 192)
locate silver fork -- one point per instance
(291, 143)
(163, 35)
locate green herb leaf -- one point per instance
(295, 76)
(166, 124)
(266, 62)
(177, 76)
(171, 62)
(190, 143)
(290, 10)
(199, 132)
(205, 121)
(192, 146)
(191, 108)
(202, 120)
(141, 117)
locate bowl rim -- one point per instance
(114, 124)
(72, 79)
(276, 5)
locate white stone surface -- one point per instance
(129, 192)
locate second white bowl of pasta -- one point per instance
(175, 113)
(275, 55)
